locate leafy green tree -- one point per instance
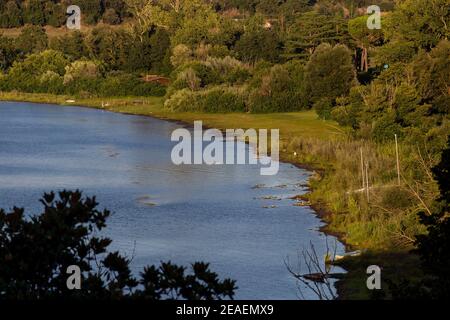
(34, 12)
(11, 15)
(329, 72)
(278, 89)
(310, 30)
(118, 6)
(27, 75)
(55, 13)
(72, 44)
(433, 247)
(423, 23)
(8, 52)
(159, 54)
(32, 39)
(323, 108)
(111, 17)
(283, 12)
(109, 45)
(36, 251)
(82, 69)
(258, 43)
(197, 23)
(91, 10)
(365, 38)
(431, 72)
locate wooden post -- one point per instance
(398, 160)
(367, 181)
(362, 170)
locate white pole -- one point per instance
(362, 170)
(367, 181)
(398, 160)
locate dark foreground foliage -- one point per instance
(433, 248)
(36, 251)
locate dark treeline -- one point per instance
(16, 13)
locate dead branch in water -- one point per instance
(318, 276)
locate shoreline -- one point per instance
(319, 209)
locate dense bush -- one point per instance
(215, 99)
(323, 108)
(50, 72)
(124, 84)
(36, 72)
(278, 89)
(330, 72)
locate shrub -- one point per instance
(181, 54)
(385, 128)
(26, 75)
(330, 72)
(222, 99)
(323, 108)
(275, 90)
(82, 69)
(124, 84)
(395, 197)
(215, 99)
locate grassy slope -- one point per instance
(52, 32)
(304, 125)
(290, 124)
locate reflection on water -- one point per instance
(243, 223)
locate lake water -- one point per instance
(242, 223)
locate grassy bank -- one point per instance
(383, 220)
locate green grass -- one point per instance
(305, 123)
(52, 32)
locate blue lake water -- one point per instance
(161, 211)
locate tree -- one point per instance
(32, 39)
(309, 31)
(71, 44)
(91, 11)
(329, 72)
(431, 72)
(8, 52)
(111, 17)
(34, 12)
(81, 70)
(147, 15)
(278, 89)
(36, 251)
(433, 247)
(55, 14)
(11, 15)
(160, 49)
(33, 74)
(283, 11)
(423, 23)
(365, 38)
(109, 45)
(258, 43)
